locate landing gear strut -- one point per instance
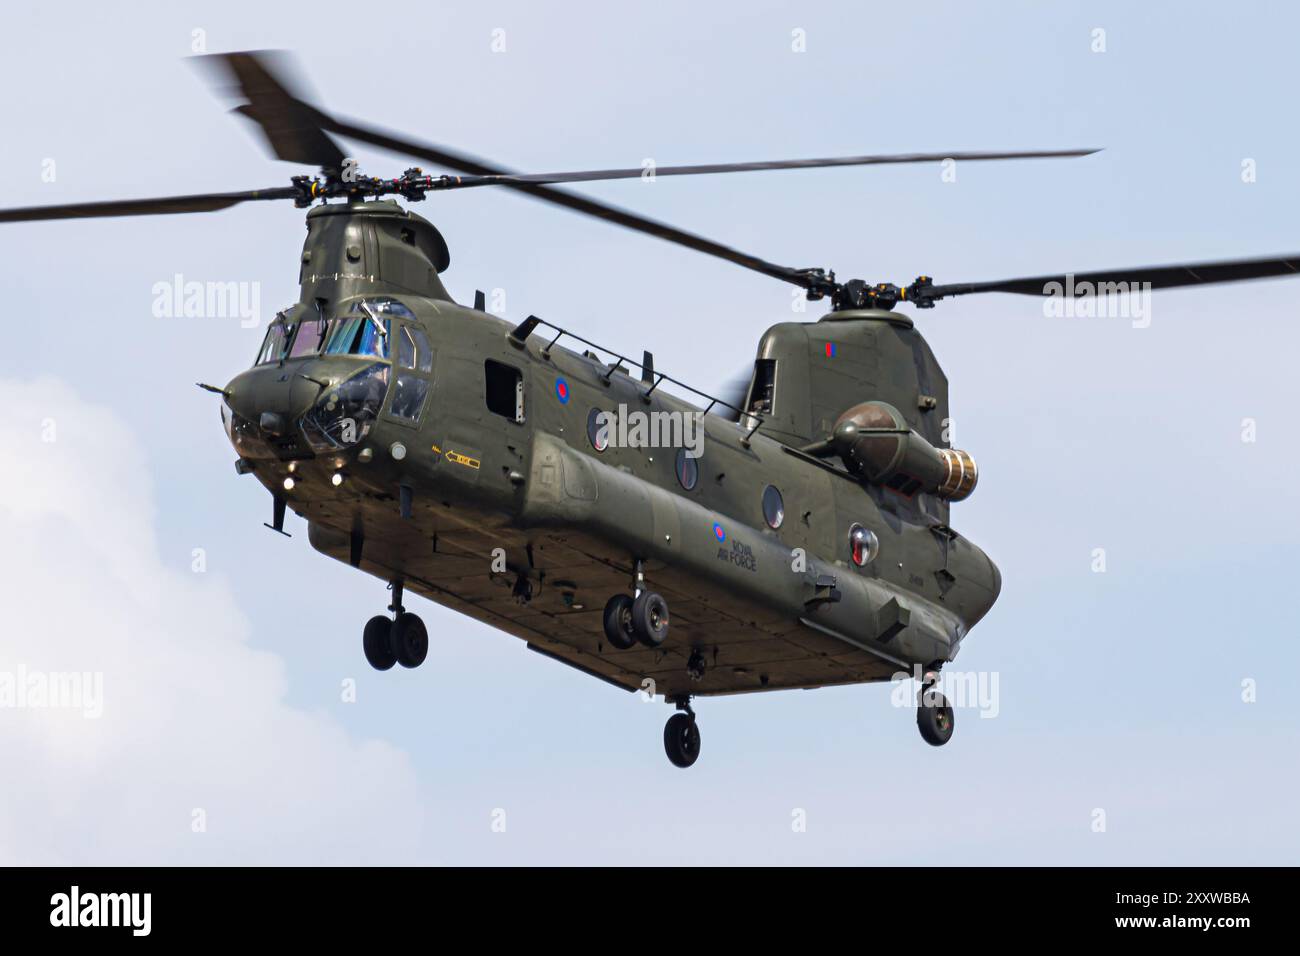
(402, 640)
(934, 716)
(682, 735)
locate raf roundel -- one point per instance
(562, 391)
(718, 532)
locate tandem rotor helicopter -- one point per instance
(808, 545)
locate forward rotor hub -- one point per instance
(858, 294)
(411, 185)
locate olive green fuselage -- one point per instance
(516, 500)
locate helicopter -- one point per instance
(795, 534)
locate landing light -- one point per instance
(336, 479)
(288, 484)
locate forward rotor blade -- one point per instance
(594, 175)
(291, 127)
(629, 220)
(160, 206)
(1159, 277)
(299, 131)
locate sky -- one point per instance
(1136, 480)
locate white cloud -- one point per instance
(192, 716)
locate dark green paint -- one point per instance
(573, 521)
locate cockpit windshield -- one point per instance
(357, 335)
(364, 330)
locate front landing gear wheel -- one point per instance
(682, 740)
(410, 640)
(618, 622)
(650, 619)
(934, 717)
(376, 643)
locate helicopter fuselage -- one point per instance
(472, 474)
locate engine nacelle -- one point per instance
(875, 442)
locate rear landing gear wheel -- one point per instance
(618, 622)
(650, 618)
(682, 740)
(376, 643)
(934, 717)
(410, 640)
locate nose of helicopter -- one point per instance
(263, 407)
(272, 396)
(305, 408)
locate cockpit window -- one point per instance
(358, 335)
(308, 339)
(273, 345)
(413, 349)
(365, 329)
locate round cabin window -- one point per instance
(773, 507)
(688, 470)
(863, 545)
(598, 426)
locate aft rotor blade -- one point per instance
(292, 127)
(594, 175)
(734, 391)
(160, 206)
(1159, 277)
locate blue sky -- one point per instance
(1120, 691)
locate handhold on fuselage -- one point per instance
(826, 592)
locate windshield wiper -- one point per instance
(379, 326)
